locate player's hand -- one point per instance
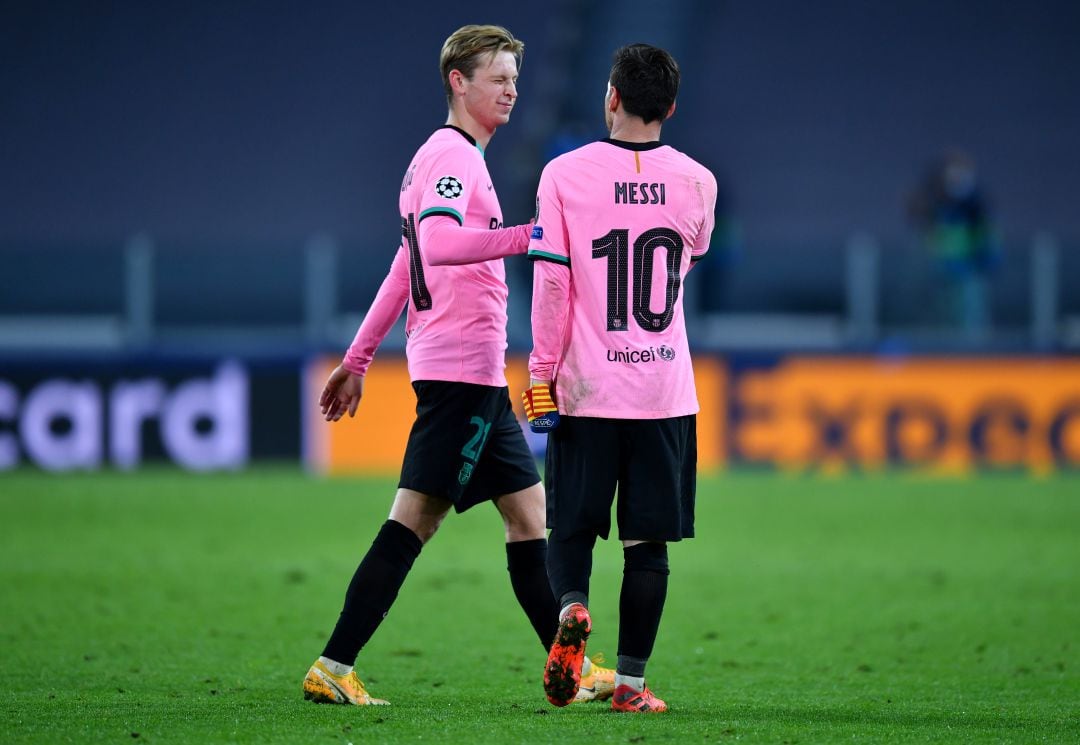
(341, 393)
(540, 408)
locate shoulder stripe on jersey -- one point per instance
(448, 211)
(545, 256)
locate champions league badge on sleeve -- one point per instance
(448, 187)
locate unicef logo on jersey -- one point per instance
(448, 187)
(629, 356)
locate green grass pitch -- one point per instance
(168, 607)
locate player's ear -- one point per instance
(670, 111)
(457, 81)
(614, 99)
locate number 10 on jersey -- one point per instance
(615, 247)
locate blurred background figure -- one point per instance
(951, 211)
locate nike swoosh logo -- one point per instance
(332, 684)
(489, 187)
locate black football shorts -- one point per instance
(466, 444)
(651, 463)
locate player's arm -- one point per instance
(707, 192)
(550, 254)
(551, 303)
(345, 386)
(549, 251)
(445, 241)
(550, 315)
(441, 233)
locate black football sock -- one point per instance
(527, 563)
(372, 591)
(641, 603)
(569, 565)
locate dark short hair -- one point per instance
(647, 79)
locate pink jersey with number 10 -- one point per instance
(618, 226)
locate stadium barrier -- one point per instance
(945, 415)
(796, 412)
(790, 412)
(199, 414)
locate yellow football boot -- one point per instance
(598, 684)
(323, 687)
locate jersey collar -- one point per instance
(633, 145)
(466, 135)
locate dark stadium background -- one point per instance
(197, 181)
(266, 122)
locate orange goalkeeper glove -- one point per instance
(540, 409)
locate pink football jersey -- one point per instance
(456, 322)
(618, 226)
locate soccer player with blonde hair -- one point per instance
(466, 446)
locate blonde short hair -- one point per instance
(463, 50)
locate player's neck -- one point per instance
(632, 129)
(478, 132)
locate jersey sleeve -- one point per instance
(550, 250)
(444, 243)
(550, 241)
(451, 181)
(705, 184)
(384, 311)
(550, 316)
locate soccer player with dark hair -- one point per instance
(619, 224)
(466, 446)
